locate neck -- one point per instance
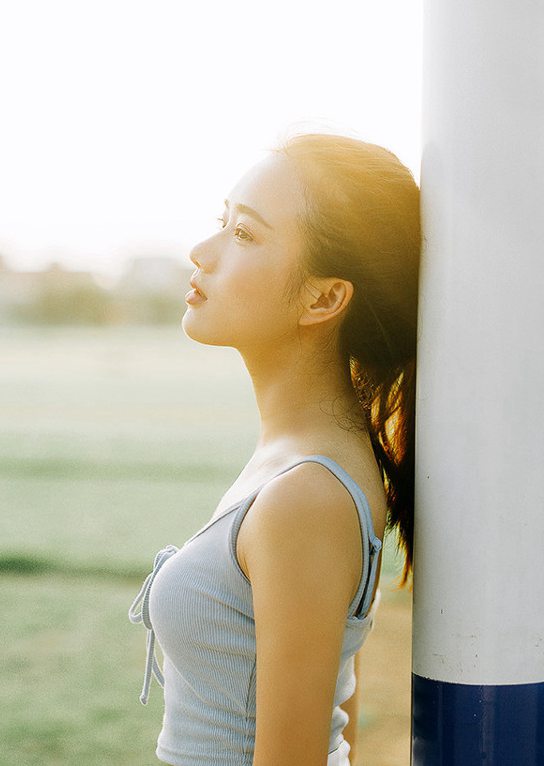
(301, 391)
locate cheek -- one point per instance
(267, 294)
(257, 307)
(253, 287)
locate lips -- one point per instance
(195, 285)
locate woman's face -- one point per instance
(244, 268)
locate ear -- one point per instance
(324, 299)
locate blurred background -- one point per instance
(124, 126)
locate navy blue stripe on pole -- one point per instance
(469, 725)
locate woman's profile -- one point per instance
(313, 277)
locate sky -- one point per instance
(124, 123)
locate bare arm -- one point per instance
(294, 549)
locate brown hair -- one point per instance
(362, 224)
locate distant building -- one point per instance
(156, 274)
(151, 290)
(20, 288)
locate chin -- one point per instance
(197, 331)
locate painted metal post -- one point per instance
(478, 631)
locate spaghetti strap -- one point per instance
(371, 543)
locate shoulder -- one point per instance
(304, 519)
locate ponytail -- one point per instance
(388, 401)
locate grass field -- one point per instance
(114, 442)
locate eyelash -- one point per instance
(248, 237)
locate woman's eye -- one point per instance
(247, 236)
(237, 231)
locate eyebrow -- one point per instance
(250, 211)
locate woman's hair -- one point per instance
(362, 223)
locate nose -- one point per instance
(202, 255)
(193, 255)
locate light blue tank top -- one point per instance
(198, 603)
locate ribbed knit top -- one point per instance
(198, 603)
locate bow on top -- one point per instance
(151, 664)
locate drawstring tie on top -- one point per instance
(151, 664)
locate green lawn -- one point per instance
(73, 673)
(114, 443)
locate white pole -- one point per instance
(478, 631)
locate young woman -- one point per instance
(313, 277)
